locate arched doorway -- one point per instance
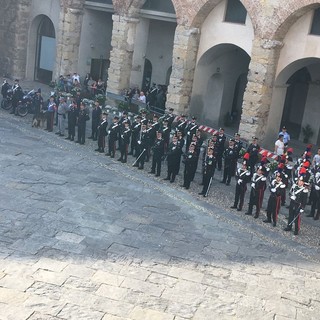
(45, 51)
(219, 84)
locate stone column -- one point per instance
(258, 94)
(68, 38)
(185, 51)
(15, 22)
(123, 41)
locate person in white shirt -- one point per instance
(142, 97)
(279, 146)
(316, 159)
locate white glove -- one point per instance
(301, 211)
(188, 133)
(139, 142)
(109, 131)
(273, 190)
(293, 197)
(253, 185)
(240, 181)
(317, 188)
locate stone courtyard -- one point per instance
(84, 237)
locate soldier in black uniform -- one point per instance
(190, 161)
(165, 134)
(102, 132)
(243, 176)
(299, 198)
(209, 168)
(277, 188)
(253, 151)
(142, 144)
(182, 124)
(125, 141)
(221, 139)
(230, 162)
(158, 152)
(17, 96)
(95, 120)
(136, 130)
(124, 118)
(258, 186)
(38, 105)
(174, 153)
(113, 135)
(4, 88)
(170, 118)
(190, 131)
(73, 113)
(238, 145)
(83, 117)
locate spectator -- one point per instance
(286, 136)
(279, 145)
(142, 97)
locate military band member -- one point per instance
(174, 153)
(277, 188)
(258, 186)
(135, 129)
(125, 141)
(209, 168)
(72, 120)
(95, 120)
(113, 135)
(190, 162)
(165, 134)
(243, 176)
(102, 132)
(238, 145)
(315, 199)
(221, 139)
(298, 201)
(230, 162)
(142, 144)
(158, 152)
(190, 131)
(253, 151)
(170, 118)
(182, 124)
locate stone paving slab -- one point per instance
(93, 239)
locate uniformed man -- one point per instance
(238, 145)
(190, 131)
(243, 176)
(125, 141)
(258, 186)
(102, 132)
(136, 130)
(142, 144)
(253, 151)
(221, 139)
(158, 152)
(73, 113)
(190, 162)
(230, 162)
(62, 115)
(174, 153)
(17, 96)
(315, 199)
(113, 136)
(95, 120)
(165, 134)
(83, 117)
(181, 124)
(277, 188)
(209, 168)
(298, 201)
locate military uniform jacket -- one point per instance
(253, 151)
(277, 189)
(220, 144)
(182, 126)
(174, 152)
(143, 140)
(230, 157)
(299, 195)
(96, 113)
(238, 146)
(166, 134)
(258, 182)
(113, 131)
(158, 148)
(72, 114)
(209, 165)
(125, 136)
(191, 159)
(102, 128)
(191, 129)
(83, 116)
(243, 176)
(136, 128)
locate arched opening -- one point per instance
(147, 75)
(45, 51)
(219, 84)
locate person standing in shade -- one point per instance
(190, 162)
(102, 132)
(221, 139)
(62, 115)
(73, 113)
(158, 151)
(95, 120)
(209, 168)
(230, 162)
(83, 117)
(125, 141)
(253, 151)
(174, 153)
(50, 109)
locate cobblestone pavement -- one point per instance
(85, 237)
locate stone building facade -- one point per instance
(250, 64)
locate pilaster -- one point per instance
(185, 50)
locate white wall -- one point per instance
(160, 49)
(215, 31)
(95, 41)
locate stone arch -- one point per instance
(34, 44)
(194, 15)
(286, 15)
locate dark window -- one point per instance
(315, 27)
(235, 12)
(162, 6)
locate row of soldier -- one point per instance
(174, 138)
